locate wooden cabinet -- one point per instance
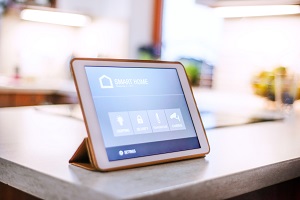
(8, 192)
(36, 92)
(31, 99)
(36, 3)
(6, 100)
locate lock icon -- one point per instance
(139, 119)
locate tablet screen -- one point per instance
(141, 111)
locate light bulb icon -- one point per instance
(120, 120)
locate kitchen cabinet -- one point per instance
(31, 99)
(43, 3)
(8, 192)
(22, 93)
(98, 8)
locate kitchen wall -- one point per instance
(43, 50)
(245, 45)
(249, 45)
(136, 15)
(190, 30)
(238, 48)
(37, 49)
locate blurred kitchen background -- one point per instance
(227, 46)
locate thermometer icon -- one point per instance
(157, 118)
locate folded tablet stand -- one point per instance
(82, 156)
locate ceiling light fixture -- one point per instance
(55, 17)
(255, 11)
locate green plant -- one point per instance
(192, 72)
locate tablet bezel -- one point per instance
(98, 150)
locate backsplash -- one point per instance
(44, 50)
(249, 45)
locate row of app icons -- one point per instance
(146, 121)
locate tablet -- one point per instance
(138, 112)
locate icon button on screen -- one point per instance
(120, 123)
(175, 119)
(140, 122)
(158, 120)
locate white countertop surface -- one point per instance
(36, 144)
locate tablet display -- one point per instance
(141, 111)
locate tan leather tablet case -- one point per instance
(82, 156)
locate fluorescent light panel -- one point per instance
(255, 11)
(54, 17)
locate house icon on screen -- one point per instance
(105, 82)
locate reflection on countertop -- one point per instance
(217, 109)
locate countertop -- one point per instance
(37, 142)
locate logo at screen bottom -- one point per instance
(125, 152)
